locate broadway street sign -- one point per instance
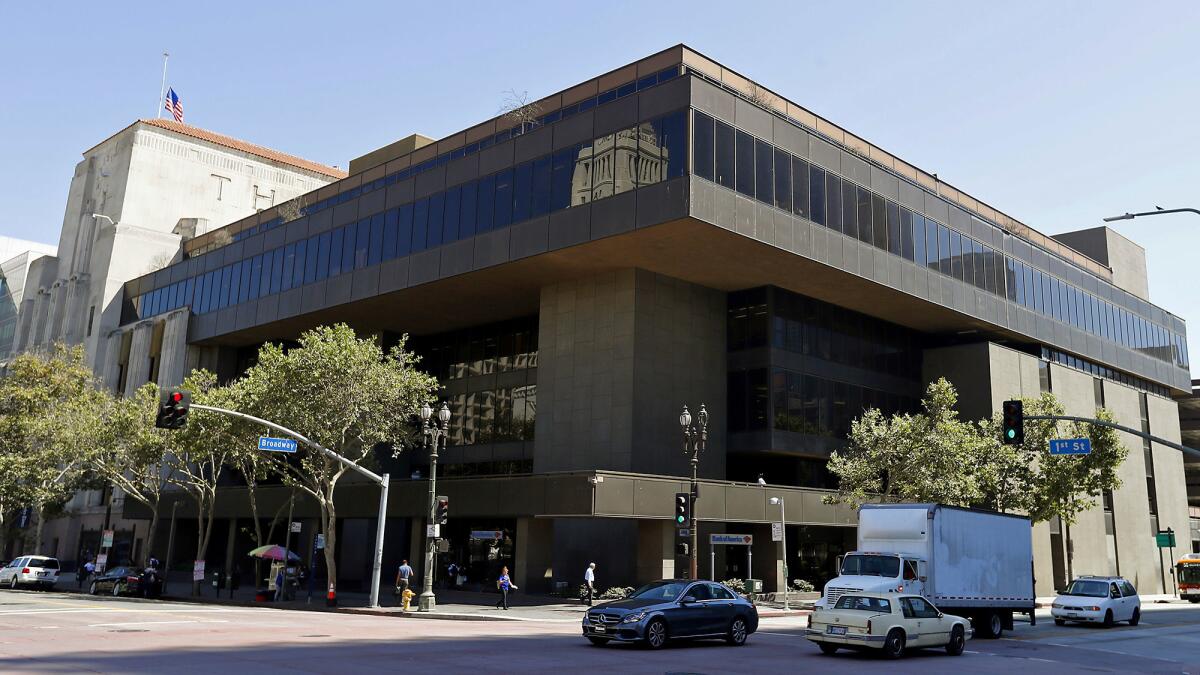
(276, 444)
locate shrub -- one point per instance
(616, 593)
(803, 586)
(735, 585)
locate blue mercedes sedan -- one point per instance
(672, 609)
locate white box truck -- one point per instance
(969, 562)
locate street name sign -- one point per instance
(276, 444)
(684, 532)
(106, 539)
(1070, 446)
(730, 539)
(1165, 539)
(487, 534)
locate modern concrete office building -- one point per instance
(134, 198)
(671, 233)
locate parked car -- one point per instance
(127, 581)
(1103, 600)
(672, 609)
(31, 570)
(891, 622)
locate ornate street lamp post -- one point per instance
(694, 440)
(435, 433)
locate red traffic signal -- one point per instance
(173, 406)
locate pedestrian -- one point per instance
(504, 584)
(403, 578)
(452, 575)
(279, 592)
(589, 580)
(86, 572)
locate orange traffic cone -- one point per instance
(331, 599)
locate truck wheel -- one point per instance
(991, 626)
(958, 641)
(893, 647)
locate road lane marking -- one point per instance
(155, 623)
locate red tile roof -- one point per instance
(243, 146)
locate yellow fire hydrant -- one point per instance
(405, 598)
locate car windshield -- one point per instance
(44, 563)
(863, 603)
(1189, 573)
(1090, 589)
(660, 590)
(871, 565)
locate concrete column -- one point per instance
(534, 555)
(110, 367)
(75, 324)
(656, 551)
(173, 353)
(56, 311)
(1169, 480)
(139, 357)
(37, 330)
(24, 326)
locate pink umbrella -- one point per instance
(272, 552)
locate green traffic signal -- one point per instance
(1012, 433)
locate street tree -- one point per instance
(345, 393)
(931, 456)
(1064, 486)
(132, 455)
(48, 405)
(199, 453)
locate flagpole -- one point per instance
(162, 91)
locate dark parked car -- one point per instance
(672, 609)
(127, 581)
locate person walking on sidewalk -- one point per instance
(589, 582)
(403, 577)
(279, 593)
(504, 584)
(86, 572)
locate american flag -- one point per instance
(173, 105)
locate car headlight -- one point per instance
(634, 617)
(1056, 605)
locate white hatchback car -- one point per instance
(1104, 600)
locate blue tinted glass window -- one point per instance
(879, 222)
(362, 243)
(626, 89)
(351, 231)
(189, 291)
(725, 168)
(404, 230)
(800, 205)
(918, 230)
(764, 177)
(647, 82)
(289, 266)
(375, 248)
(335, 251)
(587, 104)
(540, 204)
(956, 262)
(561, 174)
(450, 222)
(223, 294)
(391, 223)
(833, 203)
(437, 211)
(264, 281)
(522, 191)
(503, 204)
(745, 163)
(816, 197)
(944, 247)
(904, 225)
(420, 230)
(484, 204)
(672, 139)
(310, 259)
(605, 97)
(466, 216)
(704, 146)
(322, 266)
(244, 287)
(299, 265)
(783, 180)
(276, 270)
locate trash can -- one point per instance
(753, 586)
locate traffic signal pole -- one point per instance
(382, 481)
(1112, 425)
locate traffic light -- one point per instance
(442, 513)
(1012, 431)
(173, 408)
(683, 509)
(682, 549)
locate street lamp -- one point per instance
(783, 531)
(694, 440)
(1158, 212)
(435, 432)
(101, 215)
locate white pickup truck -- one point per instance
(977, 564)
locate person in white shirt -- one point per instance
(589, 578)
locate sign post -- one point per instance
(1166, 539)
(106, 539)
(1070, 446)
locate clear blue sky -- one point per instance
(1058, 113)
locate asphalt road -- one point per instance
(52, 633)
